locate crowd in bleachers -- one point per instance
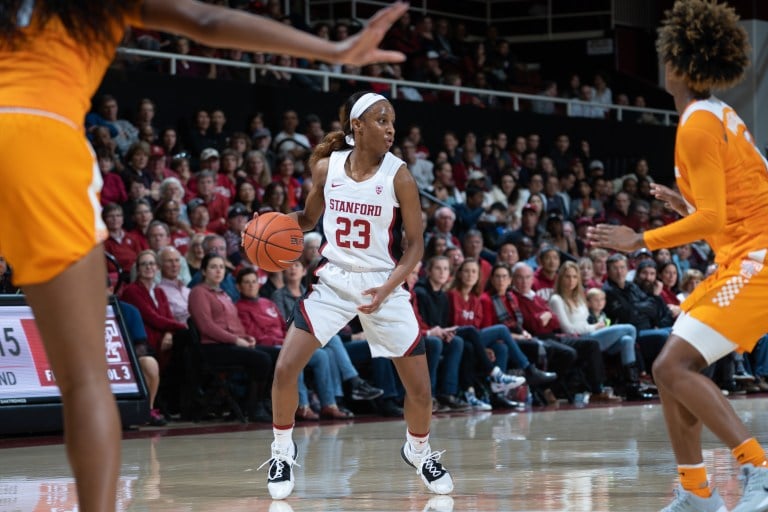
(510, 288)
(439, 51)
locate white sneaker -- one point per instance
(754, 480)
(280, 480)
(428, 466)
(475, 402)
(688, 502)
(501, 382)
(439, 504)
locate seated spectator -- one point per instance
(142, 217)
(159, 238)
(507, 254)
(691, 280)
(667, 273)
(433, 307)
(529, 227)
(124, 133)
(175, 289)
(542, 106)
(467, 309)
(627, 303)
(262, 320)
(124, 246)
(169, 212)
(312, 242)
(195, 253)
(237, 218)
(620, 212)
(444, 221)
(584, 204)
(569, 304)
(215, 244)
(544, 277)
(223, 337)
(542, 322)
(135, 169)
(215, 203)
(599, 259)
(113, 189)
(556, 236)
(646, 278)
(199, 218)
(153, 305)
(286, 176)
(587, 272)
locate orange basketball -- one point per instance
(273, 241)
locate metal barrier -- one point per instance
(665, 117)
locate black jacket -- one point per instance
(631, 305)
(434, 307)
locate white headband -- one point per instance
(362, 104)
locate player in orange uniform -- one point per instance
(723, 182)
(53, 56)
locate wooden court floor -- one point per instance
(591, 459)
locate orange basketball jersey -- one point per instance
(724, 180)
(50, 71)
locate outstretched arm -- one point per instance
(222, 27)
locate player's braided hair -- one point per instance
(89, 22)
(703, 42)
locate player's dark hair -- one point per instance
(89, 22)
(703, 41)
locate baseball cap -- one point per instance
(208, 153)
(645, 264)
(596, 164)
(642, 253)
(554, 215)
(193, 204)
(156, 151)
(236, 210)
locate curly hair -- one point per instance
(703, 42)
(89, 22)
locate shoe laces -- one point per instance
(277, 463)
(430, 463)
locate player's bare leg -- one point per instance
(70, 312)
(294, 356)
(416, 451)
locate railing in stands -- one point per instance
(665, 117)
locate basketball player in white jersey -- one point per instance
(360, 186)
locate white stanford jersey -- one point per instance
(360, 216)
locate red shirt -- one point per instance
(490, 317)
(156, 314)
(262, 320)
(217, 206)
(113, 190)
(532, 309)
(541, 281)
(465, 312)
(215, 315)
(126, 250)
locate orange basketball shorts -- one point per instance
(49, 185)
(733, 301)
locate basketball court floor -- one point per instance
(589, 459)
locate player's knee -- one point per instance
(286, 371)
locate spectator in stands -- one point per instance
(275, 199)
(602, 93)
(444, 221)
(169, 212)
(237, 218)
(584, 204)
(289, 140)
(620, 212)
(573, 89)
(124, 246)
(198, 138)
(215, 203)
(113, 189)
(434, 309)
(176, 291)
(690, 281)
(667, 273)
(311, 253)
(258, 172)
(152, 303)
(195, 253)
(421, 168)
(169, 141)
(137, 158)
(544, 277)
(587, 274)
(142, 218)
(529, 227)
(123, 132)
(286, 169)
(199, 218)
(546, 107)
(568, 302)
(223, 337)
(246, 195)
(159, 237)
(226, 178)
(541, 322)
(528, 168)
(585, 106)
(627, 303)
(215, 244)
(473, 247)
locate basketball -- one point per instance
(273, 241)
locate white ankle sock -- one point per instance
(418, 443)
(283, 437)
